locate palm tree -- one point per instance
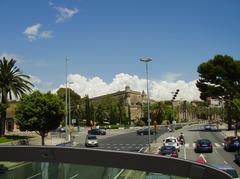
(12, 82)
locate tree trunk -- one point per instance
(3, 121)
(42, 137)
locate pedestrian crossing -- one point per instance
(193, 145)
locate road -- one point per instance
(219, 155)
(129, 142)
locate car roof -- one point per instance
(171, 137)
(203, 140)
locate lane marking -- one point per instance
(185, 153)
(194, 145)
(34, 175)
(141, 149)
(217, 145)
(201, 155)
(225, 162)
(187, 145)
(74, 176)
(216, 151)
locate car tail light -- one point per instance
(210, 145)
(174, 154)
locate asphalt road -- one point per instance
(219, 155)
(129, 141)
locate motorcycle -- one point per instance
(181, 140)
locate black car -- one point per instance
(203, 145)
(144, 131)
(170, 151)
(97, 132)
(232, 143)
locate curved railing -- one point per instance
(113, 159)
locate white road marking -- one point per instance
(185, 154)
(216, 151)
(74, 176)
(217, 145)
(225, 162)
(223, 144)
(201, 155)
(34, 175)
(187, 145)
(141, 149)
(194, 145)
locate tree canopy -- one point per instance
(39, 112)
(219, 79)
(12, 83)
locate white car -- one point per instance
(171, 141)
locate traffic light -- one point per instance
(175, 95)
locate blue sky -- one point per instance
(105, 39)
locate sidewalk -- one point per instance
(226, 132)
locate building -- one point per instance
(133, 99)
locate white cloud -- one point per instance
(171, 77)
(65, 13)
(35, 80)
(158, 90)
(9, 56)
(46, 34)
(33, 33)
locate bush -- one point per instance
(140, 123)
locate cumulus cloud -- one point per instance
(65, 13)
(171, 77)
(33, 33)
(158, 90)
(35, 80)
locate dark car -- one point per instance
(170, 151)
(144, 131)
(203, 145)
(232, 143)
(97, 132)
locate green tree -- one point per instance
(121, 110)
(100, 115)
(39, 112)
(219, 79)
(12, 82)
(113, 116)
(87, 111)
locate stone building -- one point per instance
(133, 99)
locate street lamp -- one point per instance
(66, 102)
(146, 61)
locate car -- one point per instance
(97, 132)
(227, 168)
(91, 141)
(208, 127)
(144, 131)
(170, 151)
(232, 143)
(203, 145)
(171, 141)
(61, 129)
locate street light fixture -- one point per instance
(146, 61)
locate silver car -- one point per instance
(91, 141)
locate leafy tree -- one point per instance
(12, 82)
(100, 115)
(87, 111)
(39, 112)
(121, 110)
(219, 79)
(113, 116)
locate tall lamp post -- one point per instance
(146, 61)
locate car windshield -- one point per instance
(92, 137)
(171, 140)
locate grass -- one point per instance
(10, 138)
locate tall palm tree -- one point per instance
(12, 83)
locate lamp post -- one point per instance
(66, 101)
(146, 61)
